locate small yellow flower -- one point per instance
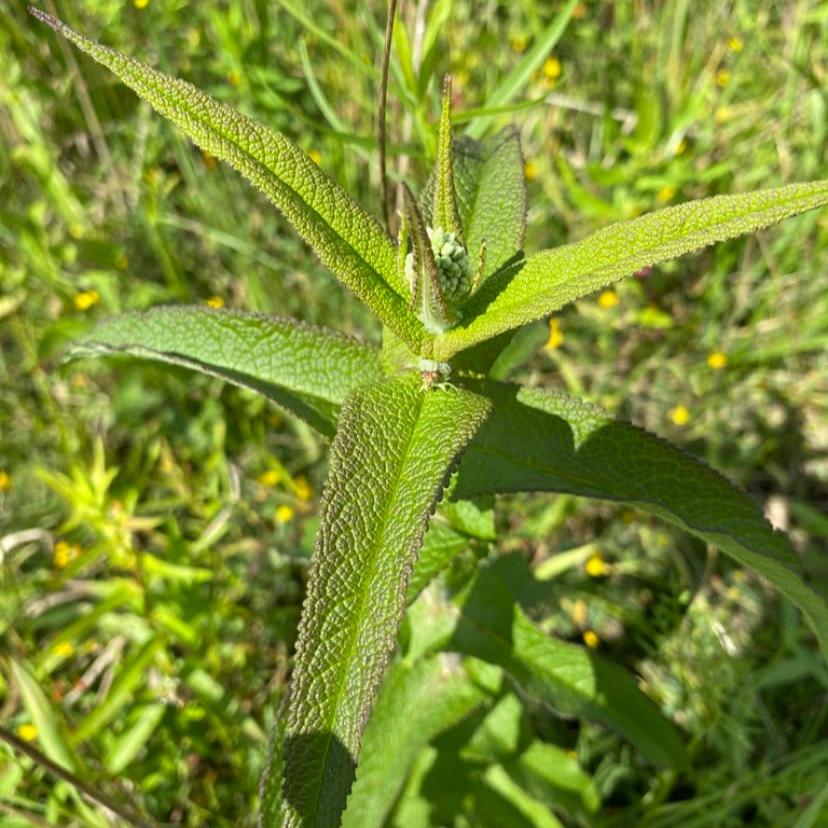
(552, 68)
(270, 478)
(735, 44)
(284, 513)
(65, 553)
(596, 566)
(86, 299)
(315, 156)
(27, 732)
(531, 170)
(519, 43)
(140, 4)
(209, 160)
(722, 114)
(121, 261)
(234, 77)
(556, 336)
(5, 481)
(591, 639)
(665, 194)
(608, 299)
(679, 415)
(64, 649)
(717, 360)
(214, 302)
(302, 489)
(681, 147)
(76, 230)
(722, 78)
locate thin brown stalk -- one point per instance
(386, 60)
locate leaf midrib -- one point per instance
(363, 597)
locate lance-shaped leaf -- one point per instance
(548, 280)
(446, 213)
(538, 440)
(304, 369)
(491, 197)
(348, 240)
(395, 446)
(490, 625)
(417, 701)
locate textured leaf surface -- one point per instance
(491, 197)
(548, 280)
(571, 679)
(393, 451)
(415, 704)
(304, 369)
(348, 240)
(538, 440)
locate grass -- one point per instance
(156, 527)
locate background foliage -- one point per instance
(156, 526)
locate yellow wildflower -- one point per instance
(270, 478)
(552, 68)
(722, 114)
(596, 566)
(64, 649)
(591, 639)
(666, 193)
(284, 513)
(214, 302)
(5, 481)
(735, 44)
(27, 732)
(608, 299)
(86, 299)
(531, 170)
(556, 336)
(681, 147)
(64, 553)
(722, 78)
(679, 415)
(234, 77)
(302, 489)
(140, 4)
(717, 360)
(315, 156)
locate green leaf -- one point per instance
(491, 197)
(131, 675)
(348, 240)
(415, 704)
(127, 745)
(50, 731)
(305, 369)
(516, 80)
(394, 449)
(446, 214)
(569, 678)
(568, 445)
(546, 281)
(441, 545)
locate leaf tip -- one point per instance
(46, 18)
